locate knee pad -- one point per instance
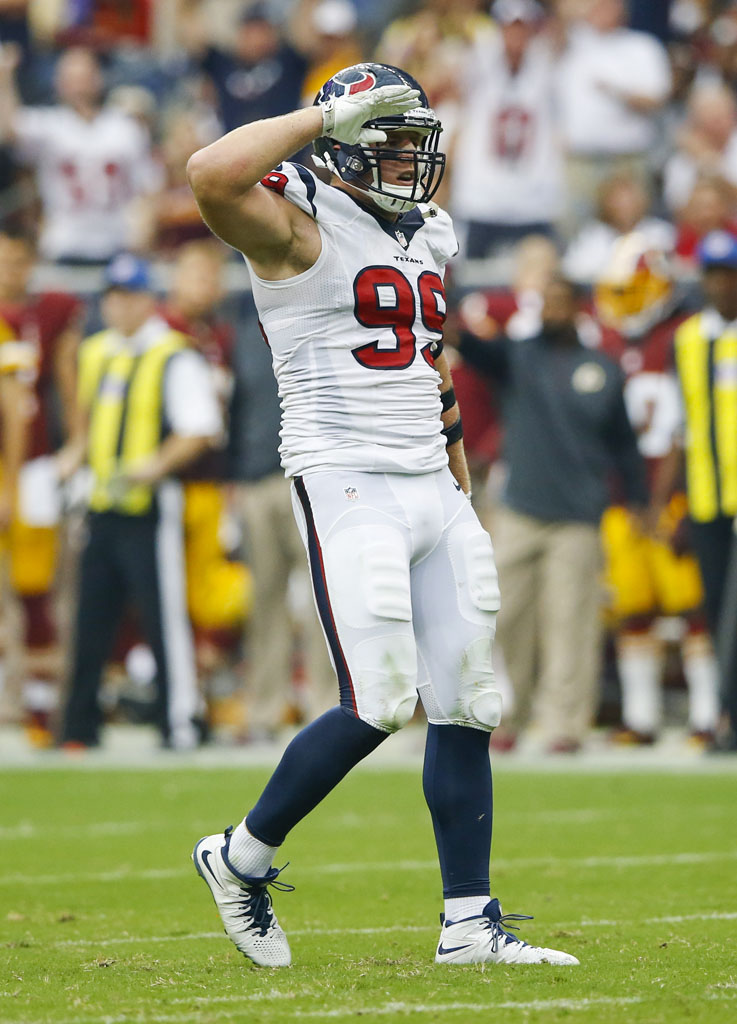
(479, 702)
(477, 583)
(385, 680)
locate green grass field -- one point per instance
(104, 919)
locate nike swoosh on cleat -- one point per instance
(205, 858)
(456, 485)
(442, 951)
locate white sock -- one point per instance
(248, 855)
(702, 677)
(461, 907)
(640, 665)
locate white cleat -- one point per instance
(244, 903)
(483, 940)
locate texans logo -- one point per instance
(352, 83)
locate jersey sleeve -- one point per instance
(442, 239)
(297, 184)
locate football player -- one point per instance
(637, 305)
(348, 281)
(47, 324)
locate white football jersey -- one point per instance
(88, 174)
(352, 337)
(507, 165)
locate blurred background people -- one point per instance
(48, 326)
(623, 205)
(219, 595)
(649, 577)
(566, 431)
(434, 43)
(149, 411)
(275, 636)
(706, 144)
(506, 164)
(114, 98)
(612, 81)
(260, 75)
(91, 162)
(706, 361)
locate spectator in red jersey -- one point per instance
(637, 303)
(49, 323)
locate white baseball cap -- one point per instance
(507, 11)
(334, 17)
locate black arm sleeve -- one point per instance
(491, 357)
(630, 464)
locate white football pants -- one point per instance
(406, 588)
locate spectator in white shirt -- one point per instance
(507, 175)
(622, 208)
(707, 144)
(91, 162)
(612, 81)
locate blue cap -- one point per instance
(129, 272)
(718, 249)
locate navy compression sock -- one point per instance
(457, 783)
(313, 764)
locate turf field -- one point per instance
(103, 918)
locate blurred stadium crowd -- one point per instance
(594, 140)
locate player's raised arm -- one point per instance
(225, 176)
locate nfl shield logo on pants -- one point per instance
(351, 493)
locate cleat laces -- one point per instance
(497, 929)
(256, 903)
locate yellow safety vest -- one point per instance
(708, 374)
(123, 394)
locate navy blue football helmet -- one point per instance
(362, 165)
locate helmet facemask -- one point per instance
(363, 166)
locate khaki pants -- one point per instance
(275, 550)
(549, 623)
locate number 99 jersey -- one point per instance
(352, 338)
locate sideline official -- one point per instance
(706, 360)
(147, 409)
(566, 433)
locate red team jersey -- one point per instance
(40, 321)
(651, 391)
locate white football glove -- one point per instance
(343, 117)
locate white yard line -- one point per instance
(204, 1014)
(351, 867)
(27, 829)
(317, 930)
(487, 1007)
(31, 830)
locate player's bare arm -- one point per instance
(451, 417)
(279, 239)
